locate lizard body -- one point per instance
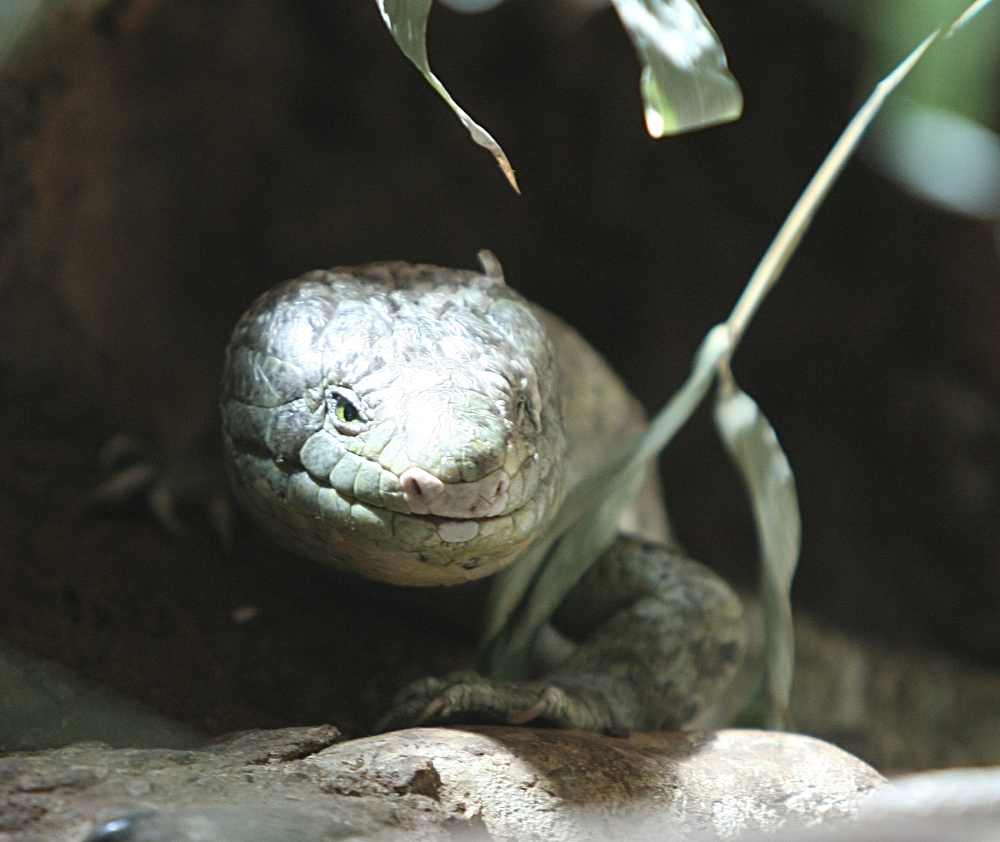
(420, 426)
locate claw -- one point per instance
(163, 504)
(430, 711)
(120, 452)
(166, 484)
(120, 488)
(452, 699)
(473, 698)
(551, 699)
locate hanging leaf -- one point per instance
(526, 594)
(407, 21)
(787, 240)
(685, 82)
(770, 485)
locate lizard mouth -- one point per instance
(451, 530)
(437, 520)
(385, 542)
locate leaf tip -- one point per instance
(508, 171)
(655, 124)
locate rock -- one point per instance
(525, 783)
(960, 805)
(431, 783)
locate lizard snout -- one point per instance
(425, 494)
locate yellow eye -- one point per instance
(346, 411)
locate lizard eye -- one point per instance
(345, 410)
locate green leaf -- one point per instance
(685, 81)
(767, 476)
(938, 140)
(407, 21)
(525, 595)
(787, 240)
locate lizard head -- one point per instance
(401, 421)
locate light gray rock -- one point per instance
(433, 783)
(524, 783)
(958, 805)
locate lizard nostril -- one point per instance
(420, 486)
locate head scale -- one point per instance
(399, 420)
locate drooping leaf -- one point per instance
(525, 596)
(787, 240)
(939, 139)
(770, 484)
(407, 21)
(685, 81)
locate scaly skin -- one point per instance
(420, 426)
(448, 454)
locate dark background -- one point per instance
(164, 161)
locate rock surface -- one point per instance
(959, 805)
(429, 783)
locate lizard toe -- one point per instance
(171, 486)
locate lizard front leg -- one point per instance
(660, 637)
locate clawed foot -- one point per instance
(168, 485)
(466, 697)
